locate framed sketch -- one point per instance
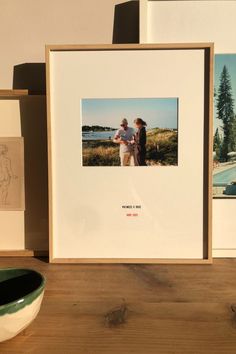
(11, 174)
(130, 160)
(164, 21)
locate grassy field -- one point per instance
(162, 150)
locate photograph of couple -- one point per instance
(111, 139)
(132, 143)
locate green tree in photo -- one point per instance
(225, 112)
(217, 144)
(234, 132)
(215, 93)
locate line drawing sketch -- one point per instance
(6, 174)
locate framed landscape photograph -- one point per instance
(224, 143)
(109, 131)
(130, 160)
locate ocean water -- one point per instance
(105, 135)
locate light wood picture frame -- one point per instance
(84, 227)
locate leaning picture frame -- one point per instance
(102, 207)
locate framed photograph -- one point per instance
(224, 142)
(130, 160)
(108, 140)
(11, 174)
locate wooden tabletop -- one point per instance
(131, 309)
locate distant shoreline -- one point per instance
(96, 128)
(96, 131)
(108, 135)
(105, 129)
(86, 130)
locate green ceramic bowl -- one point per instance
(21, 295)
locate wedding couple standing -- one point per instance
(132, 143)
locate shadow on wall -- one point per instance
(31, 76)
(34, 131)
(126, 23)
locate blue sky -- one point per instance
(230, 61)
(156, 112)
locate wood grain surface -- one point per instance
(131, 309)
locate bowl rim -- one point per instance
(16, 305)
